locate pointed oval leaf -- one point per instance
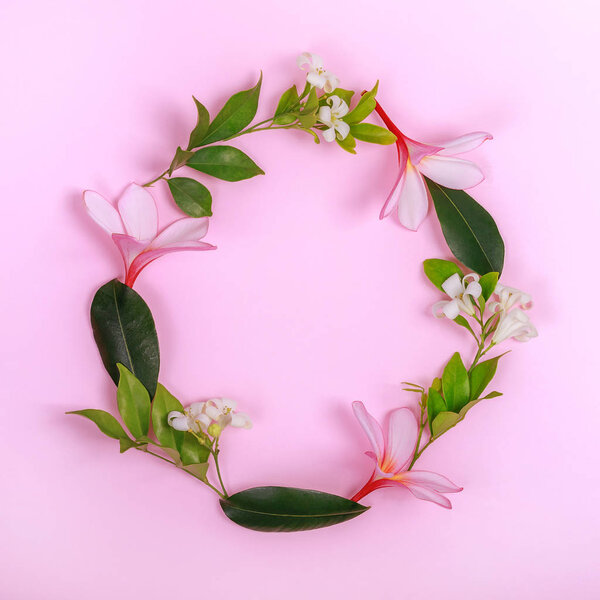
(224, 162)
(438, 271)
(444, 421)
(274, 508)
(374, 134)
(125, 333)
(192, 451)
(237, 112)
(345, 95)
(488, 283)
(179, 160)
(455, 383)
(164, 402)
(481, 375)
(435, 405)
(288, 102)
(366, 105)
(470, 231)
(191, 196)
(133, 402)
(202, 124)
(106, 423)
(348, 143)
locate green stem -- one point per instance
(218, 469)
(156, 179)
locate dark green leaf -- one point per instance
(133, 402)
(125, 333)
(488, 283)
(481, 375)
(348, 143)
(192, 451)
(224, 162)
(469, 229)
(201, 128)
(455, 384)
(163, 403)
(366, 105)
(435, 405)
(191, 196)
(179, 160)
(438, 271)
(237, 112)
(373, 134)
(106, 423)
(288, 509)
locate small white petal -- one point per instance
(316, 79)
(241, 420)
(474, 289)
(329, 134)
(451, 309)
(324, 115)
(177, 420)
(343, 129)
(453, 286)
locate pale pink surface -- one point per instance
(309, 303)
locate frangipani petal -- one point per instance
(403, 430)
(417, 150)
(371, 428)
(455, 173)
(424, 493)
(187, 229)
(103, 212)
(392, 199)
(413, 200)
(464, 143)
(138, 211)
(433, 481)
(129, 247)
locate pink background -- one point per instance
(309, 303)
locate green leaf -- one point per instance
(191, 196)
(164, 402)
(460, 320)
(491, 395)
(435, 405)
(125, 333)
(345, 95)
(133, 402)
(481, 375)
(106, 423)
(488, 283)
(274, 508)
(192, 451)
(348, 143)
(444, 421)
(237, 112)
(366, 105)
(469, 229)
(125, 444)
(312, 103)
(201, 128)
(438, 271)
(224, 162)
(367, 132)
(198, 470)
(288, 102)
(455, 383)
(179, 160)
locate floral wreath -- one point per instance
(190, 437)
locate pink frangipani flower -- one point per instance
(134, 229)
(393, 455)
(437, 162)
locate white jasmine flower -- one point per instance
(332, 117)
(460, 293)
(317, 74)
(514, 324)
(509, 297)
(192, 418)
(222, 412)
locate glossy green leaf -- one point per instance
(125, 444)
(106, 423)
(237, 112)
(133, 402)
(435, 405)
(224, 162)
(192, 452)
(469, 229)
(125, 333)
(455, 383)
(488, 283)
(366, 105)
(374, 134)
(312, 103)
(179, 160)
(288, 509)
(287, 107)
(345, 95)
(444, 421)
(348, 143)
(191, 196)
(201, 128)
(481, 375)
(438, 271)
(491, 395)
(460, 320)
(164, 402)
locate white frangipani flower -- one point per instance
(514, 324)
(460, 291)
(317, 74)
(332, 117)
(509, 297)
